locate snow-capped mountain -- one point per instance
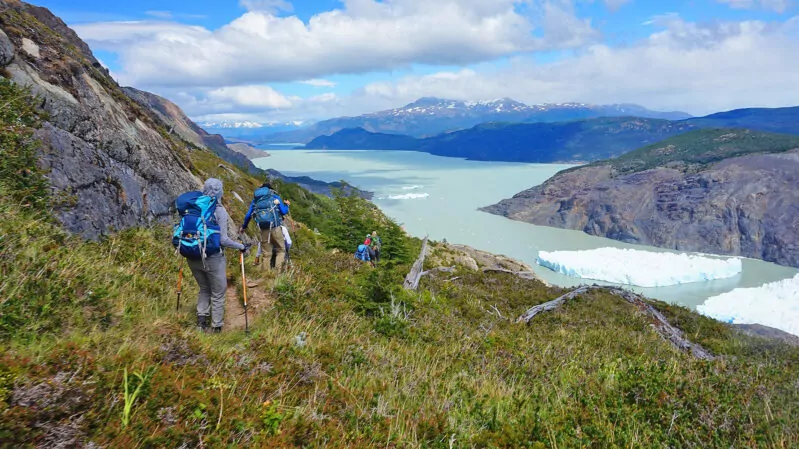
(234, 125)
(429, 116)
(249, 130)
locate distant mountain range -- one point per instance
(579, 140)
(584, 140)
(250, 131)
(431, 116)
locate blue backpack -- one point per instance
(266, 212)
(362, 253)
(197, 235)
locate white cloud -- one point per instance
(681, 66)
(779, 6)
(686, 66)
(319, 83)
(263, 97)
(366, 35)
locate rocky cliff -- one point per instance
(110, 165)
(175, 121)
(716, 191)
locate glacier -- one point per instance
(775, 304)
(639, 268)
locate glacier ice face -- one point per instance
(775, 304)
(640, 268)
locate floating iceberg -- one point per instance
(408, 196)
(641, 268)
(775, 305)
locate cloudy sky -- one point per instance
(266, 60)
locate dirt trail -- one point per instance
(258, 301)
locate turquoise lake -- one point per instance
(439, 197)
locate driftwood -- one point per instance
(659, 322)
(529, 275)
(413, 277)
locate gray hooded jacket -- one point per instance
(213, 187)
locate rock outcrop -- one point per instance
(175, 121)
(111, 166)
(741, 206)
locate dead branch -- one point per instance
(659, 322)
(413, 277)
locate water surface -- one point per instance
(439, 197)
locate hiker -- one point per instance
(268, 209)
(362, 253)
(206, 259)
(368, 243)
(377, 244)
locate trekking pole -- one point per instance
(180, 282)
(244, 290)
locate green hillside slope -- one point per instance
(95, 355)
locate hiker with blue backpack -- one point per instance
(364, 253)
(200, 237)
(268, 209)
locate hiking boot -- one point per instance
(257, 260)
(216, 330)
(203, 323)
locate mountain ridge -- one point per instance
(429, 116)
(722, 191)
(578, 140)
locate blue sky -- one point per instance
(279, 60)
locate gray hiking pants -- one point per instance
(212, 280)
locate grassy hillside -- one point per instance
(697, 149)
(339, 355)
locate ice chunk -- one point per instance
(775, 305)
(641, 268)
(406, 196)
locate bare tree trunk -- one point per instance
(659, 322)
(413, 277)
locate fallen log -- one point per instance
(551, 305)
(412, 279)
(659, 322)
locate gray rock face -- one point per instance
(6, 49)
(109, 166)
(744, 206)
(177, 122)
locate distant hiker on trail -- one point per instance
(201, 236)
(362, 253)
(377, 244)
(268, 210)
(368, 243)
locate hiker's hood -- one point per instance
(213, 187)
